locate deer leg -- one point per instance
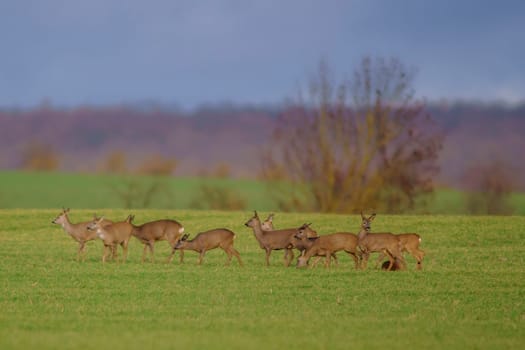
(81, 246)
(229, 253)
(268, 252)
(144, 252)
(316, 260)
(201, 256)
(152, 250)
(380, 259)
(419, 255)
(237, 255)
(124, 250)
(114, 252)
(289, 253)
(106, 250)
(328, 259)
(356, 260)
(364, 260)
(336, 261)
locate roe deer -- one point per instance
(273, 240)
(78, 231)
(267, 225)
(409, 243)
(302, 241)
(386, 243)
(159, 230)
(204, 241)
(327, 245)
(113, 235)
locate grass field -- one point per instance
(470, 295)
(53, 190)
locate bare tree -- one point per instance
(360, 143)
(136, 193)
(488, 188)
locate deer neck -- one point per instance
(257, 229)
(67, 225)
(362, 234)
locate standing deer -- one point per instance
(78, 231)
(159, 230)
(204, 241)
(112, 235)
(273, 240)
(386, 243)
(267, 225)
(409, 243)
(327, 245)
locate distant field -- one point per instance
(470, 294)
(47, 190)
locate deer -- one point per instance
(113, 235)
(159, 230)
(386, 243)
(204, 241)
(273, 240)
(78, 231)
(409, 243)
(267, 225)
(326, 245)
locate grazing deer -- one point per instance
(113, 235)
(327, 245)
(204, 241)
(386, 243)
(78, 231)
(273, 240)
(159, 230)
(409, 243)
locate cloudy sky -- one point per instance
(211, 51)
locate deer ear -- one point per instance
(270, 217)
(362, 216)
(255, 214)
(372, 217)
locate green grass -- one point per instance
(470, 294)
(51, 190)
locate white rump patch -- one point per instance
(181, 229)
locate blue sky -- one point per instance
(203, 51)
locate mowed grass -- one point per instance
(469, 295)
(51, 190)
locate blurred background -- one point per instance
(331, 106)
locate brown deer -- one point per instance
(267, 225)
(204, 241)
(327, 245)
(159, 230)
(112, 235)
(78, 231)
(273, 240)
(409, 243)
(386, 243)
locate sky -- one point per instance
(187, 53)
